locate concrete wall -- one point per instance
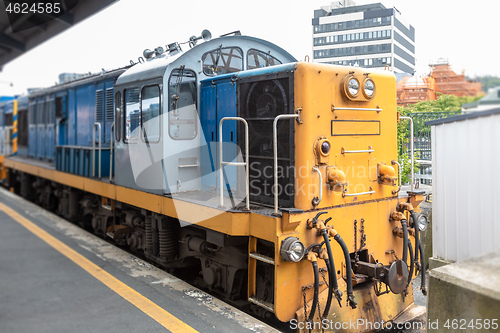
(464, 292)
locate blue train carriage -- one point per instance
(7, 118)
(12, 142)
(3, 150)
(167, 113)
(3, 107)
(70, 124)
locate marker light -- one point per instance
(325, 147)
(292, 249)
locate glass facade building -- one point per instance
(370, 36)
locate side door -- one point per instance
(32, 127)
(50, 139)
(218, 100)
(139, 136)
(182, 138)
(40, 128)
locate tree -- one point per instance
(487, 82)
(444, 106)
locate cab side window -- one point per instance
(131, 119)
(258, 59)
(150, 113)
(182, 112)
(222, 60)
(118, 116)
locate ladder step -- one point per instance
(235, 163)
(266, 305)
(261, 257)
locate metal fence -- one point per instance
(422, 142)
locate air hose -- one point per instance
(332, 275)
(404, 224)
(330, 288)
(422, 263)
(417, 233)
(419, 248)
(412, 261)
(316, 290)
(350, 295)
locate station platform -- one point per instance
(56, 277)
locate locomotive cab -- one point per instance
(172, 162)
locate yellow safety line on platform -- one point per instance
(163, 317)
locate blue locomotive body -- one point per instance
(67, 124)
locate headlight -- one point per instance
(353, 87)
(292, 249)
(422, 222)
(368, 88)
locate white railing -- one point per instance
(275, 151)
(245, 164)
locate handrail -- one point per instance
(355, 194)
(316, 201)
(412, 152)
(111, 149)
(99, 128)
(355, 109)
(275, 152)
(369, 150)
(246, 163)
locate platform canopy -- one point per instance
(24, 26)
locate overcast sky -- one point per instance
(461, 31)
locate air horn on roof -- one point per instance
(205, 35)
(171, 48)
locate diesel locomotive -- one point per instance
(275, 182)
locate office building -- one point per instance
(370, 36)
